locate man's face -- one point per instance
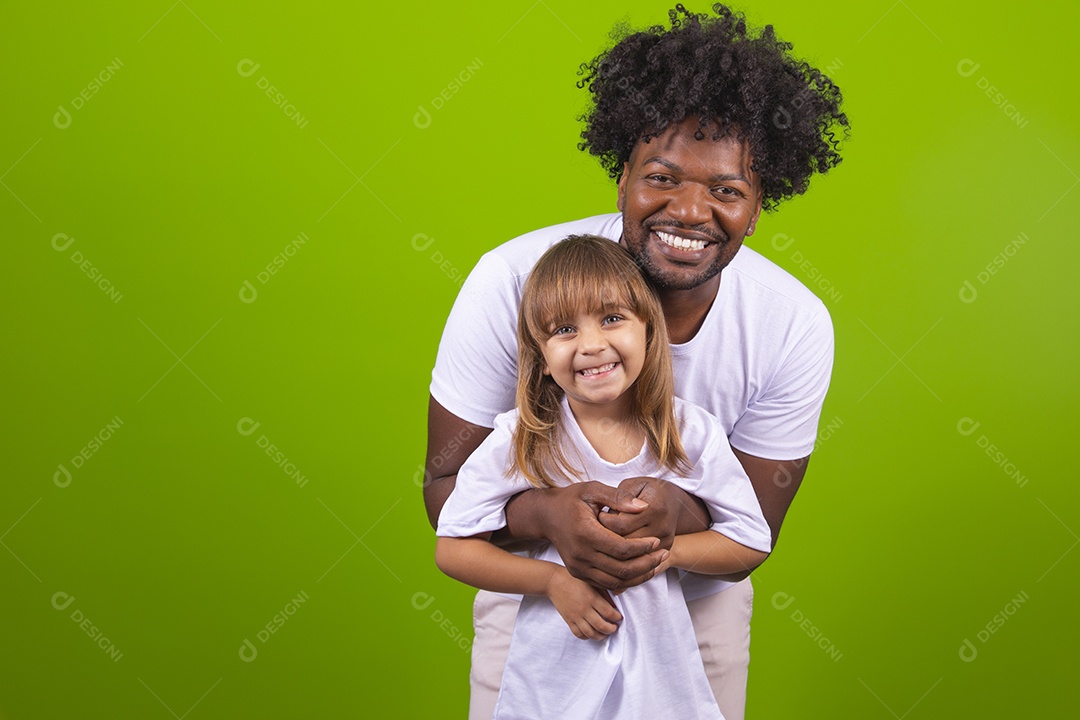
(687, 204)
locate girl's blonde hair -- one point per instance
(585, 273)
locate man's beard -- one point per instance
(665, 278)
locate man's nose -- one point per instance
(690, 205)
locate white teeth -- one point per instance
(681, 243)
(598, 370)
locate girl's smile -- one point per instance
(600, 370)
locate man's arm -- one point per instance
(450, 442)
(567, 517)
(775, 483)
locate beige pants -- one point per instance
(721, 622)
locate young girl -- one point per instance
(595, 401)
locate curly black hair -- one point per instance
(787, 111)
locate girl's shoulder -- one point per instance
(507, 421)
(697, 426)
(705, 441)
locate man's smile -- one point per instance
(681, 243)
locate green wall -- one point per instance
(221, 307)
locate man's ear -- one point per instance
(754, 218)
(621, 202)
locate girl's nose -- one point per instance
(592, 340)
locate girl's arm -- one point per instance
(475, 561)
(711, 553)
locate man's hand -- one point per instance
(568, 517)
(589, 612)
(671, 511)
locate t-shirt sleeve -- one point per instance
(478, 501)
(782, 423)
(719, 480)
(475, 373)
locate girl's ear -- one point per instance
(545, 369)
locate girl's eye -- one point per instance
(612, 319)
(563, 330)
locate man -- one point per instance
(703, 125)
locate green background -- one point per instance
(180, 180)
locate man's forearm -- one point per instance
(436, 491)
(524, 529)
(694, 516)
(450, 442)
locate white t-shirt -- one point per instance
(650, 667)
(760, 362)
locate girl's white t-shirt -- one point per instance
(651, 666)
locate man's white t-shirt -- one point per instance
(760, 362)
(650, 667)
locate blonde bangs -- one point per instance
(590, 278)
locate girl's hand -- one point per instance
(588, 611)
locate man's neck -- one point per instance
(685, 310)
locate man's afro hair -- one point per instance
(713, 68)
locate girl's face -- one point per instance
(595, 358)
